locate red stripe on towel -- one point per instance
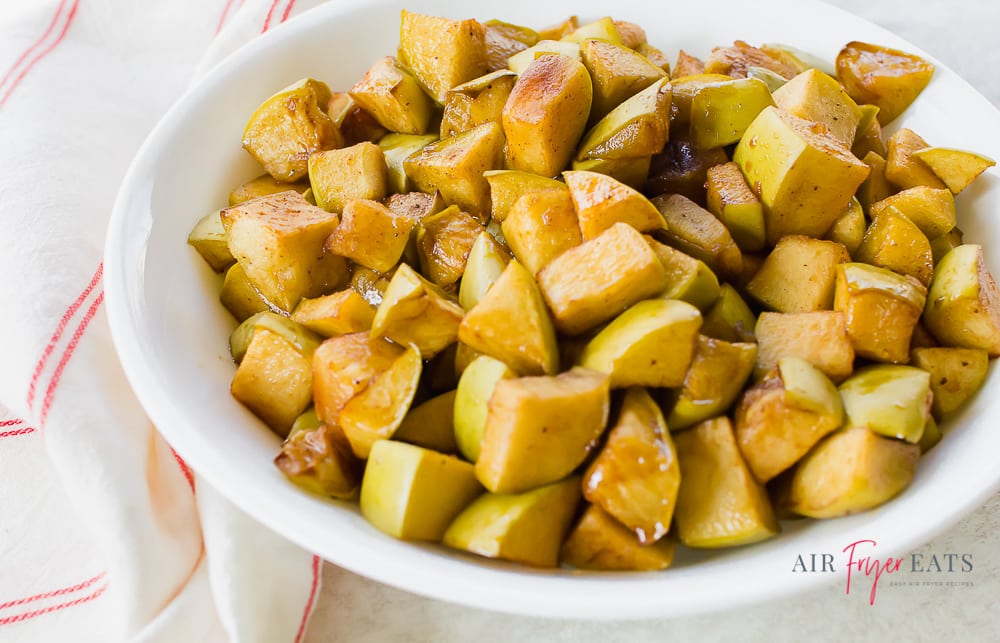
(30, 50)
(56, 592)
(70, 348)
(11, 422)
(11, 434)
(60, 329)
(309, 603)
(270, 14)
(184, 468)
(42, 54)
(288, 10)
(55, 608)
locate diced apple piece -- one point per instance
(300, 337)
(546, 114)
(941, 246)
(393, 96)
(881, 308)
(719, 503)
(849, 229)
(414, 311)
(354, 123)
(688, 279)
(503, 40)
(931, 209)
(957, 168)
(782, 417)
(818, 337)
(654, 55)
(413, 493)
(956, 375)
(344, 366)
(523, 528)
(290, 126)
(512, 324)
(397, 148)
(685, 86)
(963, 305)
(888, 78)
(240, 297)
(892, 241)
(635, 476)
(736, 60)
(274, 380)
(278, 240)
(931, 436)
(339, 313)
(730, 199)
(476, 102)
(356, 172)
(721, 112)
(618, 74)
(208, 237)
(539, 429)
(600, 542)
(803, 176)
(430, 425)
(455, 165)
(889, 399)
(902, 167)
(650, 344)
(602, 29)
(507, 186)
(540, 227)
(370, 235)
(695, 231)
(713, 382)
(632, 172)
(639, 126)
(369, 284)
(319, 460)
(799, 274)
(601, 201)
(876, 187)
(444, 241)
(485, 264)
(520, 61)
(581, 297)
(475, 387)
(729, 318)
(262, 186)
(852, 470)
(814, 96)
(441, 52)
(682, 168)
(687, 65)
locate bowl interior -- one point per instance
(172, 333)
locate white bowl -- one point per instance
(171, 332)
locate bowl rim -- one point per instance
(418, 568)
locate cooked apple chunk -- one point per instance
(208, 237)
(290, 126)
(486, 262)
(714, 380)
(601, 201)
(503, 40)
(415, 311)
(798, 275)
(618, 73)
(240, 297)
(430, 424)
(902, 166)
(729, 318)
(344, 366)
(414, 493)
(476, 102)
(319, 459)
(356, 172)
(779, 419)
(393, 96)
(803, 176)
(889, 399)
(719, 502)
(507, 186)
(818, 337)
(472, 397)
(520, 61)
(396, 148)
(956, 375)
(963, 305)
(688, 279)
(881, 308)
(887, 78)
(370, 235)
(539, 429)
(650, 344)
(581, 297)
(546, 114)
(957, 168)
(694, 230)
(635, 476)
(441, 52)
(722, 111)
(893, 241)
(639, 126)
(274, 380)
(817, 97)
(444, 241)
(454, 166)
(262, 186)
(730, 199)
(526, 527)
(278, 241)
(600, 542)
(510, 322)
(931, 209)
(338, 313)
(631, 172)
(849, 229)
(540, 227)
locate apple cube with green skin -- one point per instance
(963, 303)
(414, 493)
(523, 527)
(485, 264)
(804, 177)
(889, 399)
(475, 387)
(815, 96)
(415, 311)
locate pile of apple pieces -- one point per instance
(435, 323)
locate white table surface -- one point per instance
(964, 35)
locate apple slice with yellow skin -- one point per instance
(539, 429)
(963, 303)
(507, 186)
(713, 381)
(600, 542)
(638, 126)
(475, 387)
(957, 168)
(415, 311)
(511, 323)
(635, 476)
(414, 493)
(602, 201)
(618, 73)
(719, 503)
(890, 399)
(650, 344)
(485, 264)
(526, 527)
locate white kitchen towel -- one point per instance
(105, 534)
